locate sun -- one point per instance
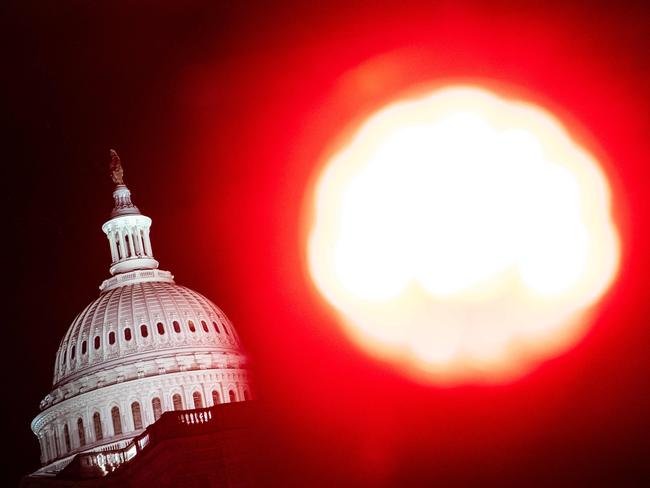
(463, 236)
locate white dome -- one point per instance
(145, 346)
(142, 320)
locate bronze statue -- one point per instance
(117, 172)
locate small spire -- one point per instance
(117, 172)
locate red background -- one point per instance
(221, 113)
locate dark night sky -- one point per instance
(220, 111)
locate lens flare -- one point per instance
(463, 236)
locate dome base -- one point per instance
(132, 264)
(137, 276)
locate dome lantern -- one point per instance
(128, 229)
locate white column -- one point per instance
(147, 242)
(50, 446)
(147, 410)
(104, 419)
(46, 448)
(206, 398)
(89, 427)
(140, 242)
(114, 256)
(134, 249)
(134, 242)
(131, 242)
(57, 442)
(122, 245)
(74, 434)
(41, 441)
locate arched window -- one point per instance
(157, 408)
(231, 396)
(117, 420)
(81, 432)
(190, 324)
(97, 342)
(97, 424)
(65, 355)
(72, 353)
(225, 329)
(137, 415)
(177, 401)
(198, 399)
(143, 330)
(205, 326)
(126, 244)
(127, 334)
(216, 327)
(161, 328)
(84, 347)
(111, 338)
(177, 327)
(66, 438)
(216, 400)
(246, 395)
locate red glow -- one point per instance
(461, 235)
(342, 417)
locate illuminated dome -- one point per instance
(147, 316)
(145, 346)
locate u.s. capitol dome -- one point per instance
(145, 346)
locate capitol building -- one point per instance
(144, 347)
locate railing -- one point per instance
(54, 467)
(170, 425)
(195, 417)
(157, 274)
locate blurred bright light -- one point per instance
(463, 236)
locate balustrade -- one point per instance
(171, 424)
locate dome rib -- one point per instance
(147, 313)
(180, 314)
(118, 315)
(105, 332)
(154, 293)
(131, 311)
(91, 336)
(196, 300)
